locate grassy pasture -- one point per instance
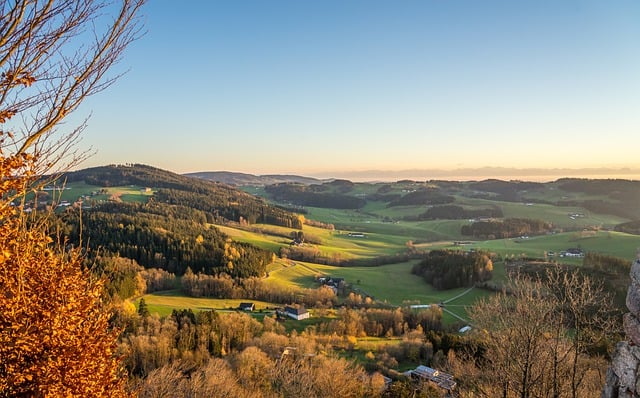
(165, 302)
(263, 241)
(393, 283)
(398, 231)
(272, 237)
(72, 191)
(559, 216)
(606, 242)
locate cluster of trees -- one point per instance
(304, 195)
(125, 278)
(606, 263)
(454, 212)
(233, 355)
(607, 187)
(223, 286)
(314, 255)
(319, 224)
(383, 322)
(622, 195)
(226, 203)
(611, 273)
(449, 269)
(620, 209)
(218, 202)
(507, 191)
(338, 185)
(423, 197)
(542, 338)
(631, 227)
(158, 235)
(507, 228)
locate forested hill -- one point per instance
(240, 179)
(171, 228)
(219, 202)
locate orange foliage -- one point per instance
(55, 338)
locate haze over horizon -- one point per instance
(483, 173)
(336, 89)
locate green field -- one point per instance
(165, 302)
(89, 193)
(611, 243)
(392, 284)
(272, 237)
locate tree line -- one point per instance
(449, 269)
(219, 202)
(507, 228)
(309, 196)
(158, 235)
(455, 212)
(423, 197)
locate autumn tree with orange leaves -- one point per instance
(55, 338)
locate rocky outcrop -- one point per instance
(623, 376)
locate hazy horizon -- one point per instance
(535, 175)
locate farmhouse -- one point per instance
(330, 281)
(296, 313)
(441, 379)
(247, 307)
(572, 252)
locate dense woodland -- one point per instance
(454, 212)
(314, 195)
(507, 228)
(219, 202)
(445, 269)
(424, 197)
(508, 191)
(158, 235)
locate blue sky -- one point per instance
(333, 87)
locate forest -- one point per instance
(314, 195)
(219, 202)
(506, 228)
(454, 212)
(446, 269)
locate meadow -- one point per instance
(383, 230)
(165, 302)
(70, 192)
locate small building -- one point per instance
(331, 281)
(464, 329)
(572, 252)
(296, 313)
(441, 379)
(247, 307)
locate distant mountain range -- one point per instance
(461, 174)
(240, 179)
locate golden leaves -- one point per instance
(6, 114)
(12, 78)
(55, 338)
